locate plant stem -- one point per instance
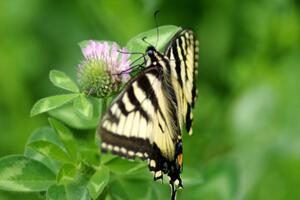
(103, 107)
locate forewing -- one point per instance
(138, 118)
(183, 53)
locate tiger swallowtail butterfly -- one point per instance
(147, 118)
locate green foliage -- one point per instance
(47, 143)
(67, 192)
(61, 80)
(50, 103)
(67, 174)
(66, 137)
(80, 115)
(98, 181)
(71, 117)
(83, 106)
(22, 174)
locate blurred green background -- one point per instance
(246, 141)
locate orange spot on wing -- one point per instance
(180, 159)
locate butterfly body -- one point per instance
(146, 119)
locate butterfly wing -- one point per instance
(138, 124)
(183, 53)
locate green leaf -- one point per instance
(66, 174)
(50, 163)
(69, 116)
(67, 192)
(107, 157)
(61, 80)
(18, 173)
(123, 189)
(166, 33)
(47, 143)
(98, 181)
(46, 134)
(50, 103)
(66, 137)
(89, 151)
(51, 150)
(118, 190)
(123, 166)
(83, 106)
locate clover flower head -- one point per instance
(103, 69)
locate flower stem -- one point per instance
(103, 106)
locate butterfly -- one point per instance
(147, 118)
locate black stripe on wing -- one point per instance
(138, 107)
(128, 147)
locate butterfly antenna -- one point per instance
(144, 40)
(157, 29)
(134, 53)
(132, 68)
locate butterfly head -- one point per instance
(150, 51)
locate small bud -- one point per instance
(103, 69)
